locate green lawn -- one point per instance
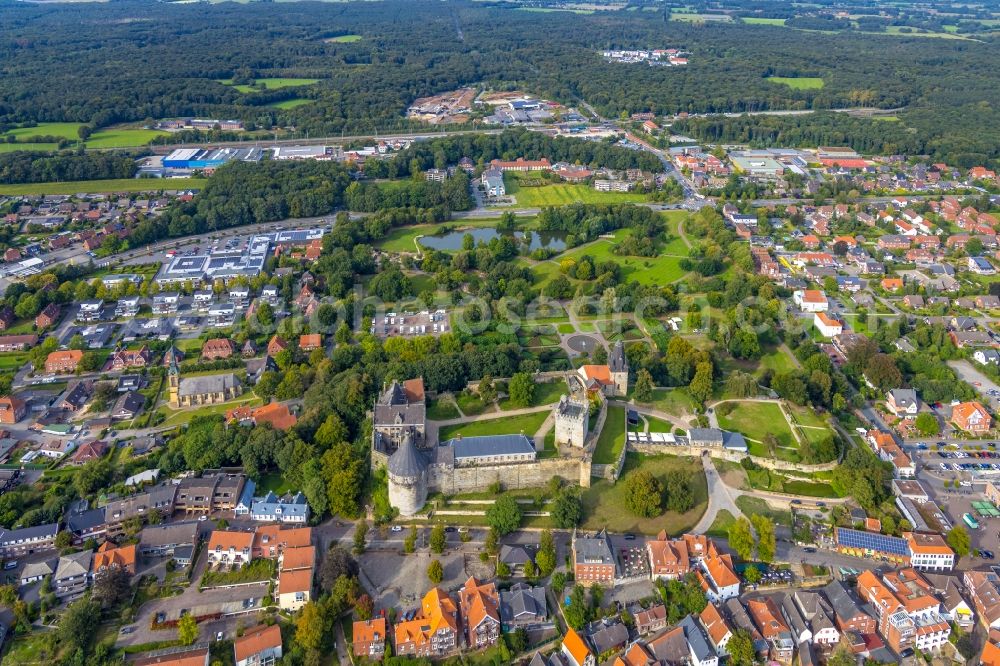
(441, 409)
(505, 425)
(292, 103)
(344, 39)
(115, 185)
(28, 649)
(612, 439)
(755, 420)
(720, 526)
(659, 425)
(604, 502)
(658, 270)
(175, 417)
(562, 194)
(798, 82)
(672, 401)
(13, 360)
(763, 21)
(470, 404)
(270, 84)
(755, 505)
(545, 394)
(566, 328)
(777, 361)
(275, 483)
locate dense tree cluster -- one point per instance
(32, 167)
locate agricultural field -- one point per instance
(343, 39)
(798, 82)
(561, 194)
(98, 186)
(269, 84)
(699, 18)
(762, 21)
(604, 502)
(112, 137)
(292, 103)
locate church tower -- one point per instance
(174, 382)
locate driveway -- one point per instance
(719, 497)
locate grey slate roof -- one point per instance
(844, 605)
(35, 569)
(794, 618)
(696, 639)
(904, 397)
(698, 436)
(515, 555)
(522, 602)
(594, 550)
(616, 360)
(407, 461)
(172, 534)
(272, 505)
(12, 536)
(76, 564)
(605, 637)
(490, 445)
(207, 384)
(85, 520)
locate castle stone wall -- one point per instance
(515, 476)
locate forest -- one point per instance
(172, 62)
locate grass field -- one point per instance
(442, 410)
(292, 103)
(612, 439)
(777, 361)
(758, 419)
(798, 82)
(275, 483)
(698, 18)
(546, 393)
(755, 505)
(604, 502)
(269, 84)
(763, 21)
(564, 193)
(673, 401)
(104, 138)
(176, 417)
(344, 39)
(644, 270)
(505, 425)
(470, 404)
(93, 186)
(720, 526)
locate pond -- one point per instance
(453, 240)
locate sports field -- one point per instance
(99, 186)
(561, 194)
(270, 84)
(798, 82)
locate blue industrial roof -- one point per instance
(869, 541)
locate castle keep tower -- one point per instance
(618, 365)
(407, 471)
(572, 420)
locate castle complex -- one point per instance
(572, 420)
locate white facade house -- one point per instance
(810, 300)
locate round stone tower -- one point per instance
(407, 471)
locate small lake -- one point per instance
(453, 240)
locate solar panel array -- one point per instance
(881, 543)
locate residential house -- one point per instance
(231, 549)
(72, 576)
(259, 646)
(434, 631)
(607, 636)
(310, 341)
(49, 316)
(178, 657)
(217, 348)
(929, 551)
(593, 560)
(27, 540)
(89, 451)
(63, 361)
(294, 588)
(109, 556)
(128, 406)
(701, 651)
(986, 356)
(34, 572)
(168, 540)
(123, 359)
(983, 588)
(516, 556)
(847, 612)
(650, 620)
(810, 300)
(772, 627)
(576, 651)
(291, 509)
(276, 345)
(479, 604)
(971, 417)
(827, 326)
(523, 606)
(368, 638)
(718, 629)
(903, 402)
(12, 410)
